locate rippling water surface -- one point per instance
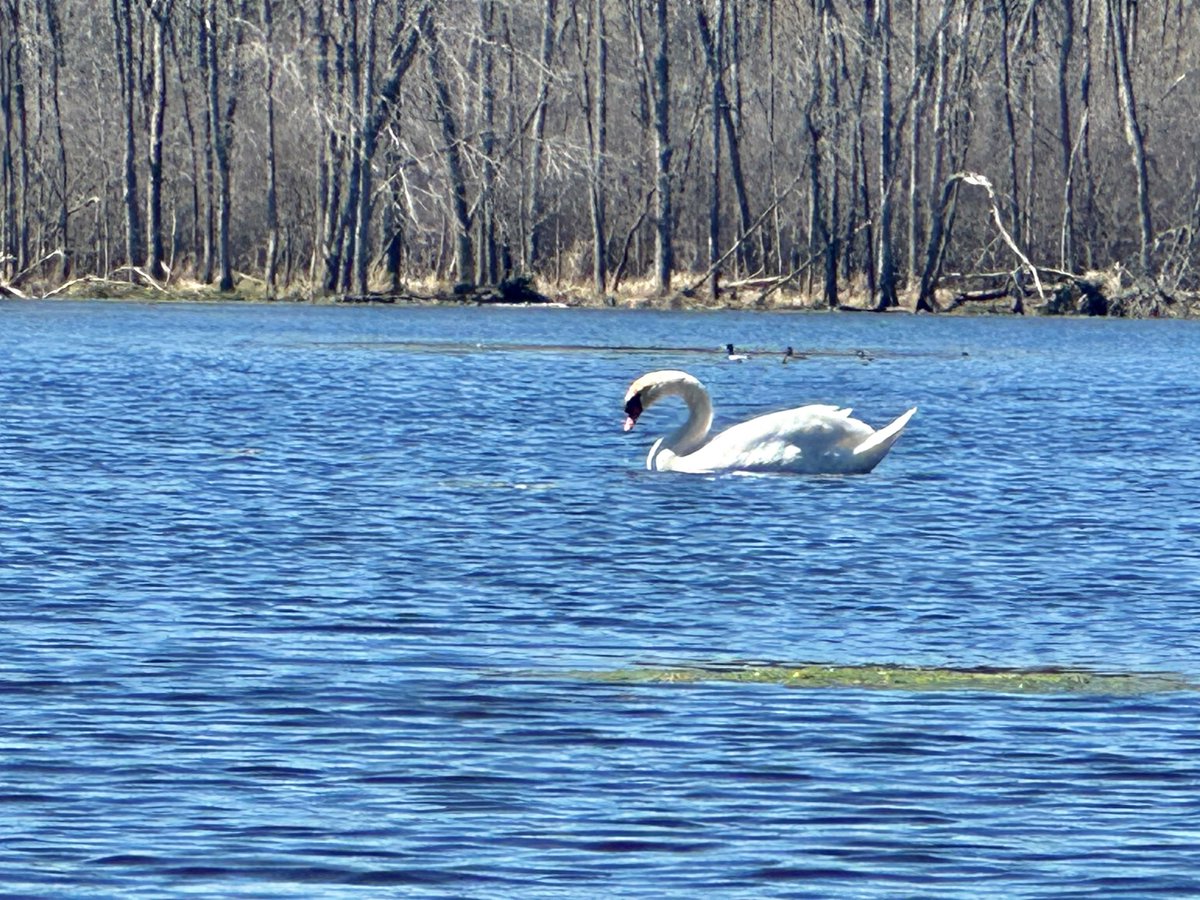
(294, 599)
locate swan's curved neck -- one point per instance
(691, 434)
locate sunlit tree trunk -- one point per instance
(9, 214)
(600, 152)
(1010, 125)
(1066, 46)
(664, 251)
(887, 161)
(714, 172)
(940, 191)
(536, 227)
(713, 39)
(160, 15)
(272, 211)
(208, 251)
(916, 135)
(122, 19)
(1133, 132)
(222, 117)
(365, 142)
(54, 31)
(453, 153)
(379, 99)
(487, 267)
(1085, 156)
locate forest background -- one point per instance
(928, 154)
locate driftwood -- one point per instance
(691, 288)
(980, 181)
(1104, 293)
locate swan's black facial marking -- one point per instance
(633, 408)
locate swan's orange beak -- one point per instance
(633, 409)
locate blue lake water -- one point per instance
(294, 598)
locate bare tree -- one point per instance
(272, 211)
(377, 106)
(160, 16)
(599, 132)
(536, 227)
(723, 116)
(452, 152)
(122, 22)
(887, 160)
(1066, 45)
(54, 32)
(1120, 33)
(663, 243)
(487, 265)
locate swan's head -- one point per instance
(650, 388)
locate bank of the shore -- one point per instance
(1111, 293)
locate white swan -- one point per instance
(814, 439)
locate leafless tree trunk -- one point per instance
(1024, 226)
(820, 238)
(1066, 45)
(205, 38)
(714, 179)
(453, 153)
(160, 15)
(860, 190)
(941, 192)
(1133, 132)
(272, 211)
(329, 72)
(122, 20)
(599, 187)
(487, 267)
(1010, 125)
(359, 216)
(916, 135)
(723, 115)
(353, 98)
(1085, 158)
(377, 107)
(222, 116)
(9, 85)
(533, 250)
(54, 32)
(17, 142)
(663, 245)
(887, 161)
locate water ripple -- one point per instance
(292, 594)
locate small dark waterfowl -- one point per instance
(733, 356)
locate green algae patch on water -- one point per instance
(903, 678)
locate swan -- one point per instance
(816, 439)
(733, 355)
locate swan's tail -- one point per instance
(874, 448)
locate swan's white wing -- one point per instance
(816, 438)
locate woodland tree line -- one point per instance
(882, 149)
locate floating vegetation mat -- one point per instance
(903, 678)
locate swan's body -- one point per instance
(816, 439)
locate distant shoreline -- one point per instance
(1093, 299)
